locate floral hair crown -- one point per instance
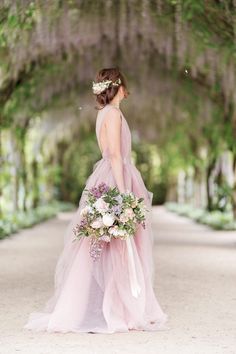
(99, 87)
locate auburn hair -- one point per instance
(108, 94)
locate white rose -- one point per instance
(108, 219)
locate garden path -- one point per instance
(195, 272)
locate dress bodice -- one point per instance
(125, 133)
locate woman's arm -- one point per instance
(113, 133)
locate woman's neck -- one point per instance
(114, 105)
(115, 102)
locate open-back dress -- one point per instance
(100, 296)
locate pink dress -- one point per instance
(98, 296)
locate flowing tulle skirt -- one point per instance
(96, 296)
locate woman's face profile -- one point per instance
(122, 92)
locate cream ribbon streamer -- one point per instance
(135, 287)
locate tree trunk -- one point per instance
(35, 183)
(1, 166)
(24, 175)
(197, 198)
(210, 168)
(16, 191)
(234, 188)
(16, 168)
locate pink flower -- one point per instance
(97, 223)
(101, 205)
(129, 213)
(123, 217)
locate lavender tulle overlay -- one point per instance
(97, 296)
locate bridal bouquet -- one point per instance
(109, 214)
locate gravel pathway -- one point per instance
(195, 271)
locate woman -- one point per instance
(114, 294)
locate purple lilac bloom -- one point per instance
(117, 209)
(95, 192)
(98, 191)
(98, 194)
(103, 187)
(83, 223)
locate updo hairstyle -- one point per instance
(110, 92)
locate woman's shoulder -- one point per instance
(110, 108)
(111, 113)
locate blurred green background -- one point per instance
(179, 58)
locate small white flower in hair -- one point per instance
(99, 87)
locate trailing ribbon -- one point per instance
(135, 287)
